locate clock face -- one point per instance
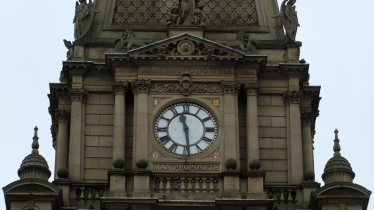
(186, 129)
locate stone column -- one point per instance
(78, 98)
(307, 141)
(140, 88)
(293, 99)
(253, 150)
(119, 89)
(230, 89)
(62, 154)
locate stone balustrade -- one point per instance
(186, 184)
(282, 194)
(89, 192)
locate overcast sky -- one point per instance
(337, 39)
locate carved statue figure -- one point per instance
(173, 17)
(70, 53)
(128, 41)
(187, 10)
(242, 42)
(289, 19)
(186, 84)
(199, 17)
(83, 18)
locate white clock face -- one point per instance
(186, 129)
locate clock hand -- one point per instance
(182, 118)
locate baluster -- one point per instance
(101, 192)
(271, 194)
(156, 183)
(89, 197)
(285, 196)
(211, 186)
(183, 187)
(294, 196)
(93, 194)
(78, 193)
(189, 185)
(204, 189)
(168, 188)
(161, 187)
(216, 183)
(278, 195)
(198, 185)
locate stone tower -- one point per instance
(181, 104)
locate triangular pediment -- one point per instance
(188, 46)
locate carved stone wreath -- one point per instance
(186, 47)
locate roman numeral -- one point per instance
(165, 139)
(174, 110)
(206, 119)
(186, 108)
(207, 129)
(198, 148)
(173, 147)
(198, 111)
(207, 140)
(164, 118)
(185, 151)
(161, 129)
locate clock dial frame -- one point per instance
(186, 129)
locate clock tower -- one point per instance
(192, 104)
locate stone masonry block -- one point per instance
(106, 119)
(274, 83)
(242, 132)
(243, 153)
(273, 154)
(242, 120)
(277, 101)
(264, 121)
(92, 119)
(129, 131)
(106, 141)
(129, 142)
(263, 100)
(94, 98)
(107, 98)
(92, 174)
(91, 163)
(129, 120)
(265, 143)
(99, 109)
(280, 165)
(91, 141)
(278, 122)
(96, 130)
(242, 143)
(98, 152)
(267, 165)
(278, 177)
(279, 143)
(264, 132)
(273, 111)
(128, 152)
(105, 163)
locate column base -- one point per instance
(231, 184)
(141, 184)
(117, 183)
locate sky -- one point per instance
(337, 42)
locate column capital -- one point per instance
(62, 115)
(230, 87)
(78, 95)
(120, 87)
(141, 85)
(292, 96)
(251, 88)
(307, 118)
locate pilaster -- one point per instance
(306, 119)
(292, 100)
(62, 156)
(78, 99)
(253, 151)
(140, 88)
(119, 89)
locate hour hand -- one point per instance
(182, 118)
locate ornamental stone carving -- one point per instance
(83, 19)
(62, 115)
(242, 42)
(141, 85)
(120, 87)
(307, 118)
(70, 47)
(175, 88)
(173, 18)
(186, 84)
(78, 95)
(186, 47)
(289, 19)
(128, 41)
(230, 87)
(251, 88)
(292, 97)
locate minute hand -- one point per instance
(182, 118)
